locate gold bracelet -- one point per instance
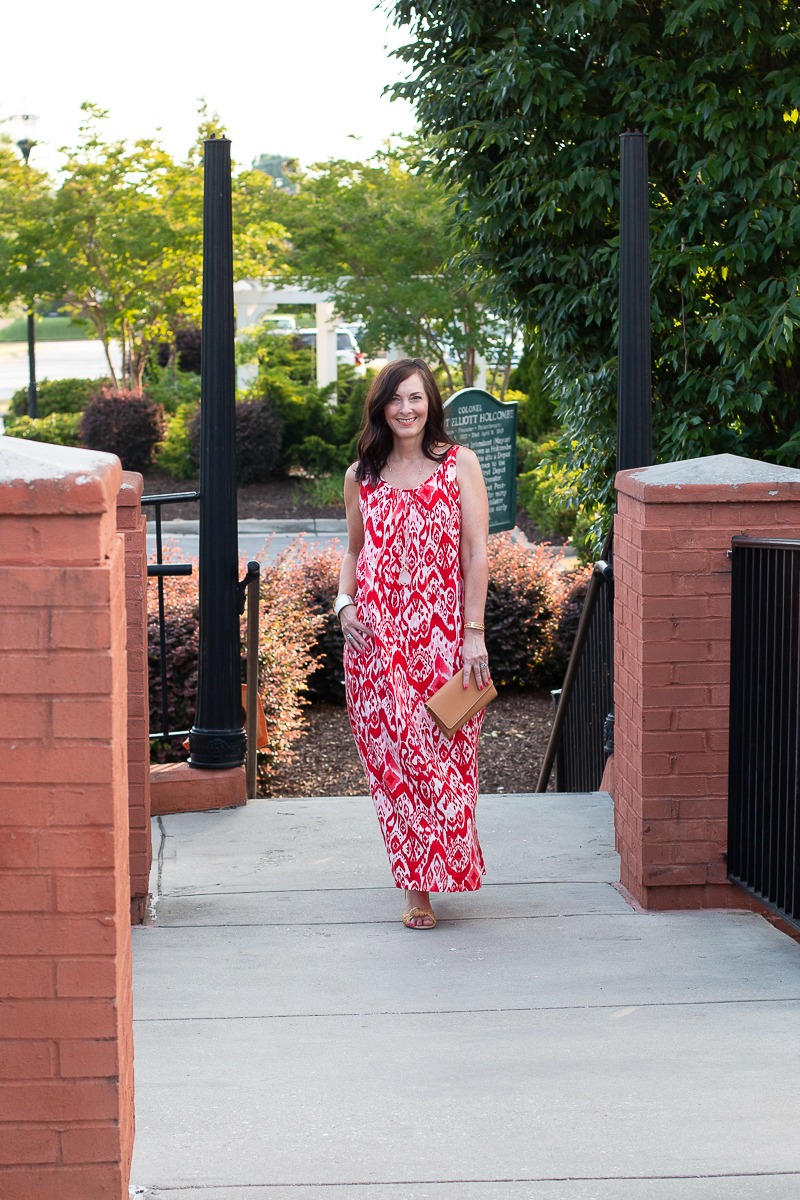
(474, 625)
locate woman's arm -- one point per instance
(474, 561)
(355, 631)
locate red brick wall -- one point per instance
(66, 1053)
(672, 664)
(132, 525)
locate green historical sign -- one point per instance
(489, 427)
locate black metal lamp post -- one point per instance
(26, 145)
(33, 401)
(634, 394)
(218, 738)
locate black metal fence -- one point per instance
(159, 569)
(586, 737)
(764, 755)
(582, 735)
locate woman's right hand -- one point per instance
(355, 631)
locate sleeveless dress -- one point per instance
(409, 591)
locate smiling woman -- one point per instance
(411, 600)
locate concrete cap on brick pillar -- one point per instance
(131, 489)
(39, 478)
(717, 478)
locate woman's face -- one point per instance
(407, 411)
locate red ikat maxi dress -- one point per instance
(410, 593)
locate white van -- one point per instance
(347, 350)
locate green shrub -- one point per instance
(62, 429)
(319, 457)
(527, 455)
(59, 396)
(125, 424)
(175, 454)
(171, 388)
(548, 489)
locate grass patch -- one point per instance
(48, 329)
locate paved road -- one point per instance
(544, 1042)
(254, 536)
(54, 360)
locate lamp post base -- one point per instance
(217, 749)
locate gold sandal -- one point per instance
(415, 915)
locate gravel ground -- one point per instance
(511, 749)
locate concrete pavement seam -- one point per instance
(202, 1187)
(460, 1012)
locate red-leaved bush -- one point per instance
(532, 611)
(525, 603)
(287, 631)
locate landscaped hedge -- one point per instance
(58, 396)
(61, 429)
(531, 616)
(288, 628)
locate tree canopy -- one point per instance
(378, 235)
(118, 240)
(523, 104)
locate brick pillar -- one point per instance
(132, 524)
(672, 662)
(66, 1045)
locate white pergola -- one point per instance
(252, 302)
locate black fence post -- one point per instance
(634, 391)
(218, 738)
(33, 398)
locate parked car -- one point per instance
(347, 350)
(279, 324)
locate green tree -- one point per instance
(524, 104)
(29, 262)
(377, 235)
(129, 224)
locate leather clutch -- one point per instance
(453, 705)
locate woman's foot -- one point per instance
(423, 917)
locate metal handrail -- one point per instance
(601, 573)
(159, 569)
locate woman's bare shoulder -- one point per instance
(351, 484)
(468, 461)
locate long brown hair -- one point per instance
(376, 439)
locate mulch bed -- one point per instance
(510, 751)
(278, 500)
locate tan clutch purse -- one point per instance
(452, 706)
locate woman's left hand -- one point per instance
(476, 660)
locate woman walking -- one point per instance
(412, 591)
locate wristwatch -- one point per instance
(342, 601)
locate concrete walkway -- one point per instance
(545, 1041)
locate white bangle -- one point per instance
(342, 601)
